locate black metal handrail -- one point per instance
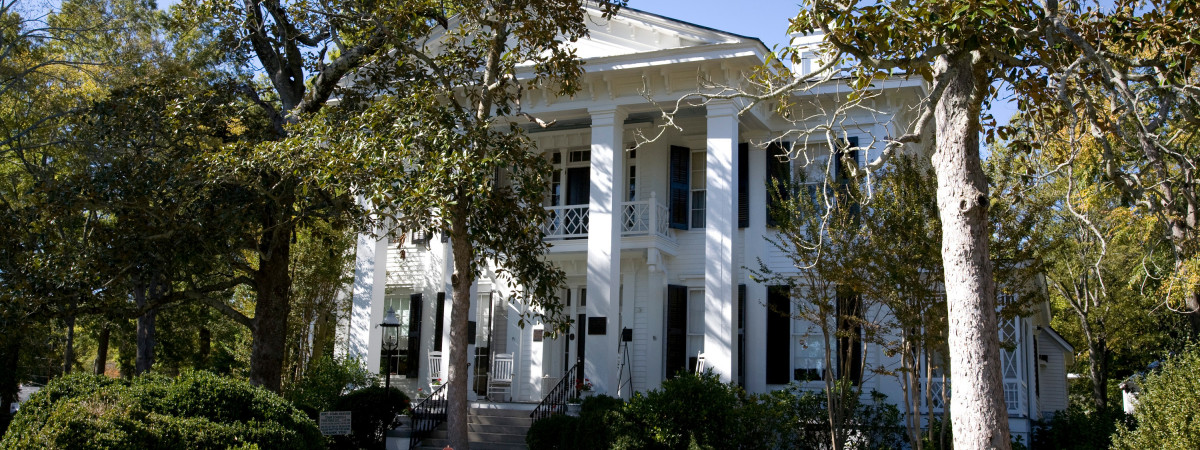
(555, 402)
(427, 415)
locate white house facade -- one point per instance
(655, 240)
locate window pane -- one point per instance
(698, 206)
(695, 324)
(699, 170)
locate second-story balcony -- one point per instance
(641, 221)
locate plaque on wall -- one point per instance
(597, 326)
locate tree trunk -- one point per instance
(1098, 365)
(463, 278)
(10, 383)
(145, 331)
(978, 412)
(272, 282)
(102, 350)
(145, 342)
(205, 346)
(69, 351)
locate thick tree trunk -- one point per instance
(273, 285)
(144, 360)
(10, 383)
(145, 342)
(463, 278)
(1098, 366)
(101, 363)
(69, 351)
(978, 412)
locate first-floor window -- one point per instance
(695, 326)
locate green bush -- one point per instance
(556, 432)
(195, 410)
(1077, 429)
(1168, 411)
(689, 409)
(324, 382)
(373, 412)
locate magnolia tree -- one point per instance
(1053, 55)
(436, 148)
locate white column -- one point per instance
(756, 293)
(370, 281)
(604, 246)
(720, 218)
(656, 298)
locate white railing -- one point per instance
(640, 218)
(647, 217)
(566, 222)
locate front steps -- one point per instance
(490, 426)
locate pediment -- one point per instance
(632, 32)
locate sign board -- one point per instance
(335, 423)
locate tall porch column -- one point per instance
(604, 247)
(756, 293)
(370, 280)
(720, 218)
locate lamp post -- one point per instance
(391, 327)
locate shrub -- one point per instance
(689, 409)
(324, 382)
(195, 410)
(552, 433)
(1077, 429)
(373, 410)
(601, 419)
(1167, 411)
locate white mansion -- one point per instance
(655, 242)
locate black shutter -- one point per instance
(676, 357)
(849, 354)
(779, 335)
(680, 190)
(415, 302)
(741, 335)
(778, 178)
(441, 316)
(743, 185)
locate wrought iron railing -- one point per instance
(427, 415)
(555, 401)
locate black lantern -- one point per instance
(391, 344)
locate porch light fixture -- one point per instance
(391, 343)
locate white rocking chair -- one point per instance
(500, 378)
(700, 363)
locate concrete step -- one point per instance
(496, 412)
(440, 444)
(472, 436)
(505, 421)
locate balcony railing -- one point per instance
(640, 218)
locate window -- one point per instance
(632, 171)
(698, 183)
(695, 326)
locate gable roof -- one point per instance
(632, 31)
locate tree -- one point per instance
(821, 232)
(903, 258)
(306, 52)
(439, 151)
(962, 50)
